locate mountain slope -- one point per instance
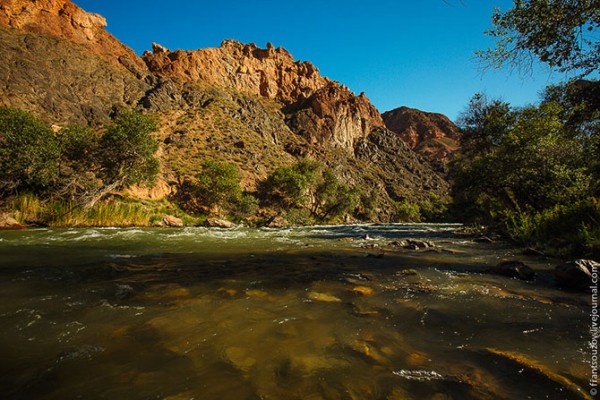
(256, 108)
(430, 134)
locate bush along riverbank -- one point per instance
(533, 173)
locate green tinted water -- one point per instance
(307, 313)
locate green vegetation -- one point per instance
(57, 178)
(310, 192)
(218, 185)
(532, 173)
(29, 154)
(562, 34)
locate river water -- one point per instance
(333, 312)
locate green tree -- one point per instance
(29, 154)
(125, 155)
(290, 186)
(78, 162)
(536, 176)
(309, 186)
(562, 34)
(218, 186)
(332, 198)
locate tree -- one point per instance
(535, 183)
(218, 185)
(29, 153)
(125, 155)
(290, 186)
(562, 34)
(309, 186)
(78, 162)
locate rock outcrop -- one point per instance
(430, 134)
(334, 115)
(61, 81)
(63, 19)
(270, 72)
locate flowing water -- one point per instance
(332, 312)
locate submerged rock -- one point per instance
(530, 251)
(413, 244)
(483, 239)
(541, 373)
(327, 298)
(513, 269)
(576, 274)
(362, 290)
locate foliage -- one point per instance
(126, 151)
(434, 208)
(78, 160)
(218, 184)
(407, 211)
(309, 185)
(562, 34)
(29, 153)
(332, 198)
(289, 186)
(522, 168)
(74, 166)
(31, 209)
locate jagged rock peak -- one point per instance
(430, 134)
(271, 72)
(65, 20)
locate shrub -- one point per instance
(29, 153)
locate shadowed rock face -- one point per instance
(62, 82)
(430, 134)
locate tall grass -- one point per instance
(32, 210)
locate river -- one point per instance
(324, 312)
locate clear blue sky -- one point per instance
(415, 53)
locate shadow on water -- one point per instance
(314, 313)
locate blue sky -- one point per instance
(400, 53)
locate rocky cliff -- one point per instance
(323, 111)
(430, 134)
(63, 19)
(257, 108)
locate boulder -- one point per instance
(414, 244)
(513, 269)
(219, 223)
(577, 274)
(172, 221)
(8, 222)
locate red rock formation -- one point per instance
(334, 115)
(270, 72)
(430, 134)
(322, 110)
(63, 19)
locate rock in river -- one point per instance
(576, 274)
(513, 269)
(219, 223)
